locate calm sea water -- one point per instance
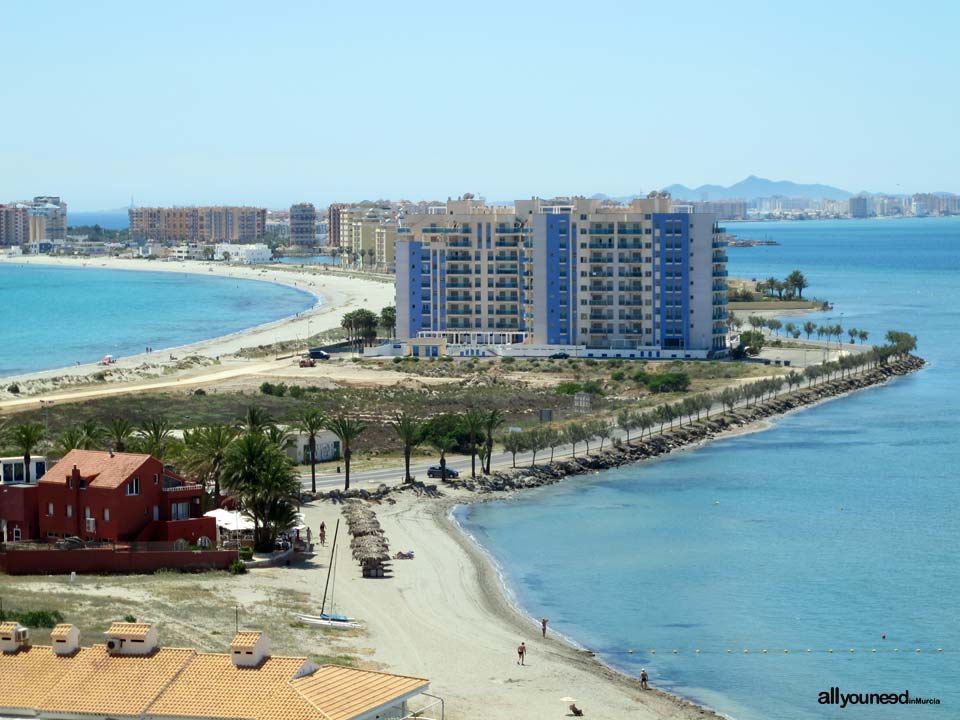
(309, 260)
(838, 525)
(53, 316)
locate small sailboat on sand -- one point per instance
(331, 619)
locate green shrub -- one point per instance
(507, 360)
(593, 387)
(397, 360)
(446, 358)
(128, 618)
(668, 382)
(33, 618)
(589, 362)
(237, 567)
(13, 389)
(618, 376)
(246, 553)
(569, 387)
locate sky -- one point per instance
(271, 103)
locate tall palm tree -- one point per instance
(118, 432)
(493, 420)
(262, 479)
(311, 423)
(443, 444)
(69, 439)
(92, 434)
(278, 436)
(26, 437)
(256, 420)
(473, 423)
(347, 429)
(409, 430)
(206, 449)
(155, 435)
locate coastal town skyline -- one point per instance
(788, 96)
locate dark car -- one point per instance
(436, 472)
(318, 354)
(560, 356)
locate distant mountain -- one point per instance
(756, 187)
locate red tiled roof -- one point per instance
(99, 469)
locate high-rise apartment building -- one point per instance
(41, 219)
(333, 224)
(303, 225)
(860, 207)
(634, 281)
(199, 224)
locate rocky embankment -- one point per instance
(655, 445)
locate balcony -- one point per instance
(631, 302)
(630, 245)
(459, 297)
(458, 256)
(506, 284)
(512, 313)
(720, 258)
(720, 287)
(721, 315)
(601, 245)
(503, 230)
(459, 311)
(459, 271)
(625, 230)
(631, 259)
(596, 315)
(601, 273)
(720, 273)
(501, 243)
(601, 303)
(631, 316)
(594, 288)
(602, 230)
(596, 259)
(631, 287)
(513, 257)
(507, 298)
(459, 243)
(719, 243)
(457, 284)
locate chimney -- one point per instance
(13, 637)
(249, 649)
(66, 639)
(131, 638)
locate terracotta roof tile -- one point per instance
(8, 627)
(98, 468)
(212, 686)
(342, 692)
(61, 631)
(105, 684)
(137, 631)
(245, 639)
(28, 675)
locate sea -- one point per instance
(756, 572)
(58, 316)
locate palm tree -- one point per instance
(70, 439)
(118, 432)
(92, 435)
(863, 335)
(278, 436)
(443, 444)
(494, 419)
(809, 327)
(256, 420)
(26, 437)
(263, 480)
(155, 435)
(347, 429)
(410, 431)
(473, 422)
(310, 423)
(206, 449)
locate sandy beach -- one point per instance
(335, 294)
(445, 616)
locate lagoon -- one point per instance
(831, 529)
(57, 316)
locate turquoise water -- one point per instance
(309, 260)
(838, 525)
(54, 316)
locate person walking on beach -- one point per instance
(643, 679)
(521, 653)
(543, 626)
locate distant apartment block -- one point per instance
(635, 281)
(42, 219)
(220, 224)
(303, 225)
(723, 209)
(333, 224)
(861, 207)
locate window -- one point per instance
(133, 487)
(156, 478)
(106, 515)
(180, 511)
(49, 509)
(69, 511)
(16, 534)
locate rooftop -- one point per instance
(100, 469)
(137, 631)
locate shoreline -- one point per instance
(600, 688)
(334, 294)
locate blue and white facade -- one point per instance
(598, 280)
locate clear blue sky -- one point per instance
(276, 102)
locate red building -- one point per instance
(115, 497)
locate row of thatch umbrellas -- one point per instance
(368, 544)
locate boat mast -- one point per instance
(333, 550)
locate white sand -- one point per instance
(444, 616)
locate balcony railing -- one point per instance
(720, 273)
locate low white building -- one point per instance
(189, 251)
(243, 254)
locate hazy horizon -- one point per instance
(241, 103)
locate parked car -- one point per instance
(436, 471)
(318, 354)
(560, 356)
